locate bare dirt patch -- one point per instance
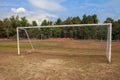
(59, 60)
(52, 63)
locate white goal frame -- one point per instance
(109, 35)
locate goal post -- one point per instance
(109, 35)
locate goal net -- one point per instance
(76, 39)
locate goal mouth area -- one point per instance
(108, 37)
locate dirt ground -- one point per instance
(59, 60)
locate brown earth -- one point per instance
(59, 60)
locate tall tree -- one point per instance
(76, 20)
(34, 23)
(24, 21)
(15, 22)
(109, 20)
(84, 19)
(56, 32)
(116, 30)
(95, 19)
(50, 23)
(44, 23)
(46, 32)
(7, 25)
(2, 30)
(68, 20)
(66, 31)
(58, 22)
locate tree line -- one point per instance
(8, 28)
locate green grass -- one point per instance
(12, 46)
(8, 46)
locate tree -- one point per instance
(76, 20)
(56, 32)
(74, 32)
(89, 32)
(66, 31)
(50, 23)
(116, 30)
(46, 32)
(24, 22)
(34, 23)
(58, 22)
(2, 31)
(95, 19)
(7, 26)
(89, 19)
(15, 22)
(109, 20)
(84, 19)
(68, 20)
(119, 21)
(44, 23)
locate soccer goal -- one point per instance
(97, 36)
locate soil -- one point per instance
(59, 60)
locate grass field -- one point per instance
(59, 60)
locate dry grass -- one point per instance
(59, 60)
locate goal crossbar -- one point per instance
(109, 35)
(72, 25)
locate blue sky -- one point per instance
(52, 9)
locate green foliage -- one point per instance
(6, 25)
(24, 22)
(34, 23)
(58, 22)
(109, 20)
(76, 20)
(89, 19)
(8, 28)
(46, 32)
(115, 28)
(2, 30)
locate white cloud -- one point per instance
(37, 16)
(33, 16)
(41, 16)
(18, 10)
(49, 5)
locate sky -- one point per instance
(39, 10)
